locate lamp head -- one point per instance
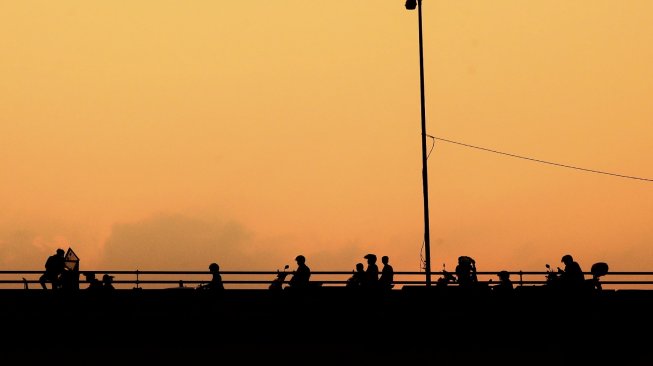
(411, 4)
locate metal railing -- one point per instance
(261, 279)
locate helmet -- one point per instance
(567, 258)
(466, 260)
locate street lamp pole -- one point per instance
(411, 5)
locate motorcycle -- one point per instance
(277, 283)
(599, 269)
(446, 279)
(552, 277)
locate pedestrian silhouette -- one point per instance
(216, 279)
(371, 272)
(466, 271)
(93, 283)
(54, 267)
(301, 275)
(357, 278)
(386, 281)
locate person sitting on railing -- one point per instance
(54, 267)
(301, 275)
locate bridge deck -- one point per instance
(533, 326)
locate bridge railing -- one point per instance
(262, 279)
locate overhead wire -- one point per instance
(536, 160)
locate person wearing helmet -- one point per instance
(216, 280)
(572, 275)
(301, 275)
(358, 277)
(466, 271)
(372, 272)
(107, 282)
(505, 285)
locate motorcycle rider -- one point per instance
(571, 276)
(466, 271)
(216, 279)
(371, 272)
(387, 274)
(301, 275)
(357, 278)
(505, 285)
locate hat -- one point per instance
(106, 277)
(89, 274)
(370, 256)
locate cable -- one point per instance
(432, 146)
(422, 262)
(538, 160)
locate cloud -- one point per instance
(26, 247)
(175, 242)
(21, 250)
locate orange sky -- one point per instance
(171, 134)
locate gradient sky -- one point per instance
(171, 134)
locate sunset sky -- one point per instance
(170, 134)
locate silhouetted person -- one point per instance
(54, 267)
(216, 279)
(301, 275)
(107, 283)
(386, 281)
(505, 285)
(571, 277)
(357, 279)
(466, 271)
(371, 272)
(93, 283)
